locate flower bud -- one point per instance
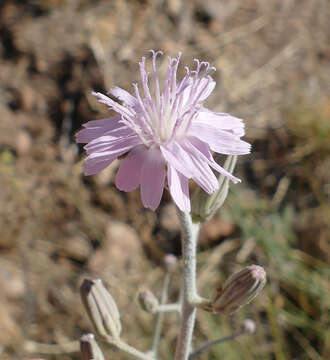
(204, 205)
(239, 289)
(170, 263)
(101, 308)
(148, 301)
(89, 348)
(249, 326)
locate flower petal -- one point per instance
(97, 161)
(92, 166)
(152, 178)
(95, 128)
(204, 176)
(110, 143)
(186, 162)
(124, 96)
(220, 141)
(208, 88)
(202, 150)
(129, 174)
(100, 123)
(191, 92)
(177, 157)
(179, 188)
(220, 121)
(120, 109)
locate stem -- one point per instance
(74, 346)
(212, 343)
(121, 345)
(189, 231)
(41, 348)
(175, 307)
(160, 316)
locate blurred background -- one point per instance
(57, 226)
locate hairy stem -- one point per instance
(121, 345)
(74, 346)
(175, 307)
(160, 316)
(41, 348)
(190, 297)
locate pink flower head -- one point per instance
(166, 131)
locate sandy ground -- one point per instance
(57, 226)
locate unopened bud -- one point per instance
(170, 262)
(148, 301)
(204, 205)
(89, 348)
(249, 326)
(101, 308)
(239, 289)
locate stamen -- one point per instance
(155, 74)
(208, 80)
(146, 121)
(151, 108)
(175, 70)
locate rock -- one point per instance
(121, 251)
(11, 280)
(10, 330)
(23, 142)
(169, 219)
(77, 248)
(215, 229)
(107, 175)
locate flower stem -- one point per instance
(175, 307)
(190, 297)
(160, 316)
(210, 344)
(41, 348)
(123, 346)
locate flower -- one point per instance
(166, 132)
